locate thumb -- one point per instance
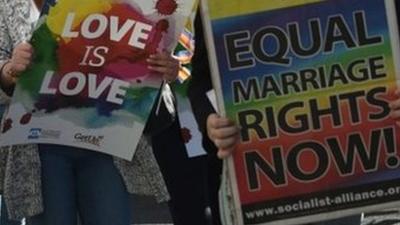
(224, 153)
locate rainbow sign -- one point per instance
(308, 83)
(89, 85)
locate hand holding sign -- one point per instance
(90, 75)
(165, 64)
(224, 133)
(20, 60)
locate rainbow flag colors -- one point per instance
(309, 84)
(89, 85)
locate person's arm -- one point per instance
(200, 82)
(163, 112)
(15, 56)
(220, 135)
(5, 54)
(12, 68)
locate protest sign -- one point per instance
(309, 84)
(89, 85)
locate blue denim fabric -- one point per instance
(4, 216)
(76, 180)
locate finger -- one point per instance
(18, 68)
(23, 45)
(163, 54)
(215, 122)
(26, 48)
(163, 59)
(394, 104)
(213, 116)
(221, 122)
(170, 63)
(158, 62)
(22, 55)
(159, 69)
(160, 57)
(226, 142)
(395, 114)
(224, 153)
(397, 92)
(224, 132)
(21, 61)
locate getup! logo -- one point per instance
(89, 139)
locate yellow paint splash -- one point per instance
(226, 8)
(57, 14)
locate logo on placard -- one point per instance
(89, 139)
(36, 133)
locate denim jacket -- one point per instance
(20, 172)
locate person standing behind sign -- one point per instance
(225, 136)
(49, 186)
(183, 175)
(220, 134)
(29, 13)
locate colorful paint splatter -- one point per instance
(309, 83)
(90, 71)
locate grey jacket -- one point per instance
(20, 172)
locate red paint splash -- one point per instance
(160, 28)
(166, 7)
(7, 125)
(121, 62)
(186, 135)
(162, 25)
(25, 119)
